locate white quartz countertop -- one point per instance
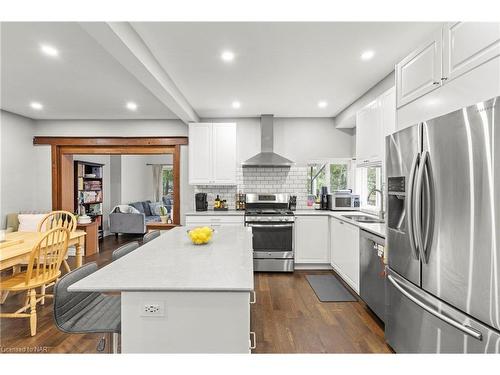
(171, 262)
(212, 212)
(378, 229)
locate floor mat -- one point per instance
(329, 289)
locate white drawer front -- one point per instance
(214, 220)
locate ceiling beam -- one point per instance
(127, 47)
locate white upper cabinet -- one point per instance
(368, 132)
(224, 154)
(452, 51)
(312, 239)
(373, 123)
(387, 105)
(420, 72)
(200, 151)
(467, 45)
(212, 154)
(387, 109)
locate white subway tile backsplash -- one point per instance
(262, 180)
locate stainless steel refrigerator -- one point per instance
(443, 235)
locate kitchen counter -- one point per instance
(378, 229)
(212, 212)
(172, 262)
(177, 297)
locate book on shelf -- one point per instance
(80, 183)
(92, 185)
(91, 196)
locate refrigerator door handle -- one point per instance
(418, 204)
(409, 206)
(465, 329)
(430, 208)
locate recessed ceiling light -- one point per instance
(367, 55)
(236, 104)
(49, 50)
(227, 56)
(322, 104)
(36, 105)
(132, 106)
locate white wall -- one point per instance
(305, 139)
(111, 128)
(299, 139)
(115, 180)
(25, 184)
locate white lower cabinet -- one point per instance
(215, 220)
(311, 239)
(344, 258)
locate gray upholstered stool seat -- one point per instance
(85, 312)
(124, 250)
(150, 236)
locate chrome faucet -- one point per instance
(381, 212)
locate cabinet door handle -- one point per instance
(253, 340)
(444, 78)
(436, 83)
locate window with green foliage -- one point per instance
(168, 180)
(369, 178)
(334, 175)
(338, 177)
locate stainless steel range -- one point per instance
(272, 227)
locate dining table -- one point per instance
(17, 247)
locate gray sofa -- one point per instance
(129, 223)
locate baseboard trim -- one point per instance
(312, 266)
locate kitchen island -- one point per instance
(177, 297)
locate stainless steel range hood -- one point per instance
(267, 157)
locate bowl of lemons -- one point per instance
(200, 235)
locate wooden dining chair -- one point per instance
(44, 267)
(54, 219)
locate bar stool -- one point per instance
(86, 312)
(124, 250)
(150, 236)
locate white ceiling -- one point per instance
(280, 68)
(83, 82)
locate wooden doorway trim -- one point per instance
(62, 147)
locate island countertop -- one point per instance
(171, 262)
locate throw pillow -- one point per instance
(133, 210)
(126, 209)
(139, 207)
(155, 208)
(147, 210)
(29, 222)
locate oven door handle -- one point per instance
(270, 225)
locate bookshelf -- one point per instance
(89, 190)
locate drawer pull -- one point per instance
(253, 298)
(253, 340)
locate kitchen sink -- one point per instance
(363, 219)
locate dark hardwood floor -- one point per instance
(287, 318)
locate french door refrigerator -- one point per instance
(443, 234)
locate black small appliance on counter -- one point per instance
(201, 201)
(324, 198)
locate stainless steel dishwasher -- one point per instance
(372, 272)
